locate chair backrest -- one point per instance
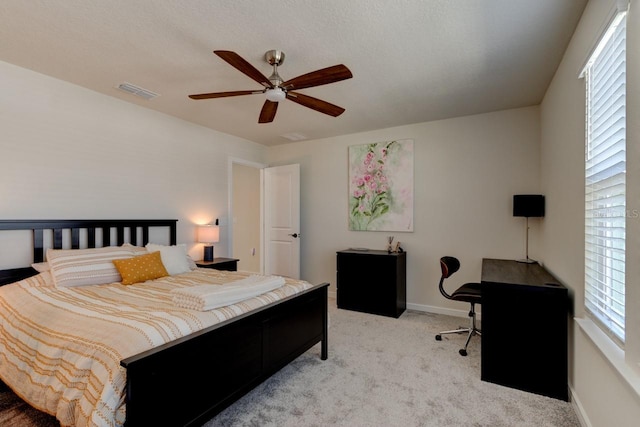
(448, 265)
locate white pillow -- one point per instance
(80, 267)
(137, 250)
(192, 263)
(40, 267)
(174, 258)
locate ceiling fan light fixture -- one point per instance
(275, 94)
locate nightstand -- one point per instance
(228, 264)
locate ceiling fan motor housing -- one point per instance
(275, 58)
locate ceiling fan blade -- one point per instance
(318, 78)
(315, 104)
(224, 94)
(243, 66)
(268, 112)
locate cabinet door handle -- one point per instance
(294, 235)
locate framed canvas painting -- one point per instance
(381, 186)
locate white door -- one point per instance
(282, 220)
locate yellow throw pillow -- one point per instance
(140, 268)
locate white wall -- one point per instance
(466, 171)
(604, 393)
(67, 152)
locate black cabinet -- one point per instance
(524, 328)
(372, 281)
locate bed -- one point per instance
(193, 366)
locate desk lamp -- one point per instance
(528, 205)
(208, 234)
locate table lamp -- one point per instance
(208, 234)
(528, 205)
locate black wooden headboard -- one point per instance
(100, 228)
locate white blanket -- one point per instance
(207, 297)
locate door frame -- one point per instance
(260, 166)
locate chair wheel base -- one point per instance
(462, 352)
(438, 337)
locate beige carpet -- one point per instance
(380, 372)
(391, 372)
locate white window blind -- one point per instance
(605, 170)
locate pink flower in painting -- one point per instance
(368, 158)
(371, 198)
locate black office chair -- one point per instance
(469, 292)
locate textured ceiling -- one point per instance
(412, 60)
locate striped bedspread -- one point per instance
(60, 348)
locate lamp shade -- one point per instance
(208, 234)
(528, 205)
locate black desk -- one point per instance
(524, 328)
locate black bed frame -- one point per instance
(189, 380)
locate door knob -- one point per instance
(294, 235)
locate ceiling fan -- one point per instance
(276, 89)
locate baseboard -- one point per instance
(578, 409)
(427, 308)
(442, 310)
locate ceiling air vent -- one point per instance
(137, 91)
(294, 136)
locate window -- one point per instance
(605, 181)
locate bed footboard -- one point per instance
(188, 381)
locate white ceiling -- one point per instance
(412, 60)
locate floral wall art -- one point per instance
(381, 186)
